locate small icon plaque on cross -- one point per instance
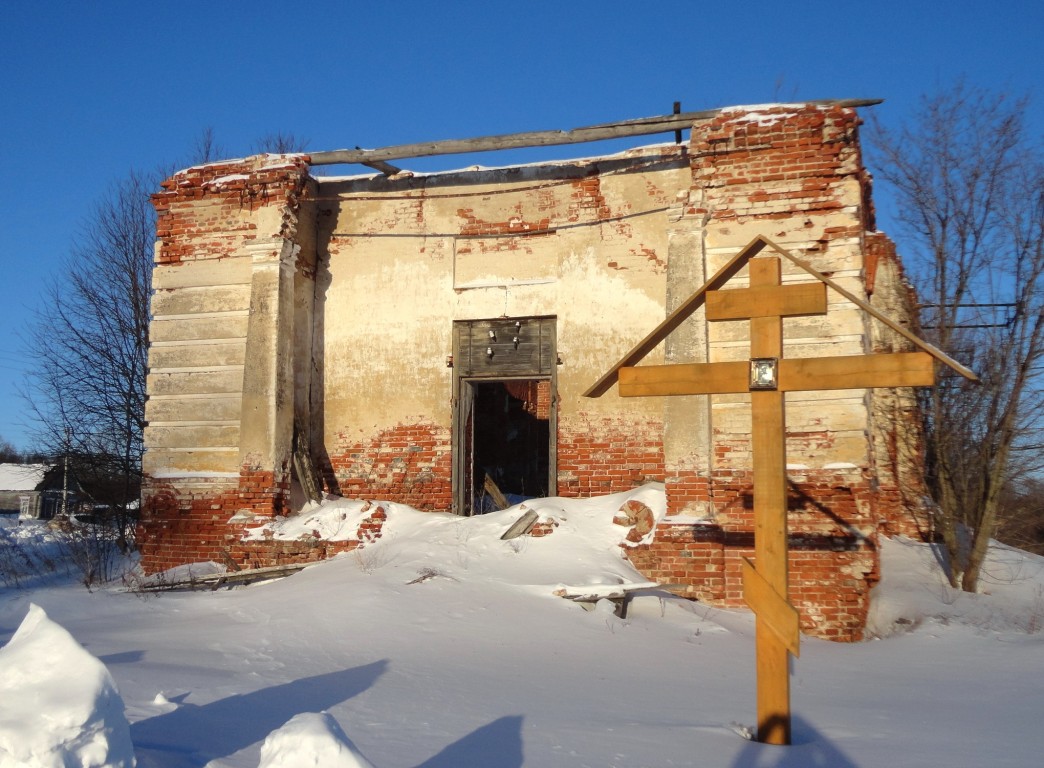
(764, 372)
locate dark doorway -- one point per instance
(504, 412)
(511, 436)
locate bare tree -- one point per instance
(8, 453)
(280, 143)
(90, 341)
(205, 149)
(968, 182)
(1023, 526)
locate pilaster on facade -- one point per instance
(687, 428)
(267, 418)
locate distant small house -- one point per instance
(24, 492)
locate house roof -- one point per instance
(21, 477)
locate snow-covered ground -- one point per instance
(442, 646)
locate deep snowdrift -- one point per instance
(59, 706)
(440, 645)
(311, 739)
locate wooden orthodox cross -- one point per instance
(767, 376)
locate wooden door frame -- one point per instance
(463, 403)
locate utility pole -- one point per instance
(65, 476)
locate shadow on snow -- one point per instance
(192, 735)
(809, 749)
(497, 745)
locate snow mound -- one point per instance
(308, 740)
(59, 706)
(337, 519)
(914, 591)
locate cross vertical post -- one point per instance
(770, 515)
(767, 377)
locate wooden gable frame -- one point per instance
(720, 278)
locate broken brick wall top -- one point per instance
(212, 211)
(777, 163)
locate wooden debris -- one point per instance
(229, 578)
(491, 488)
(426, 574)
(521, 526)
(619, 594)
(386, 168)
(306, 473)
(230, 562)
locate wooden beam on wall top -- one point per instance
(642, 126)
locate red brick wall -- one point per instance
(534, 395)
(833, 519)
(831, 570)
(410, 464)
(685, 489)
(202, 213)
(596, 457)
(830, 588)
(802, 152)
(188, 521)
(258, 553)
(181, 526)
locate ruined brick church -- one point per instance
(428, 338)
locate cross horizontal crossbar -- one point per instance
(775, 301)
(720, 278)
(901, 369)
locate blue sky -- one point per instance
(92, 90)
